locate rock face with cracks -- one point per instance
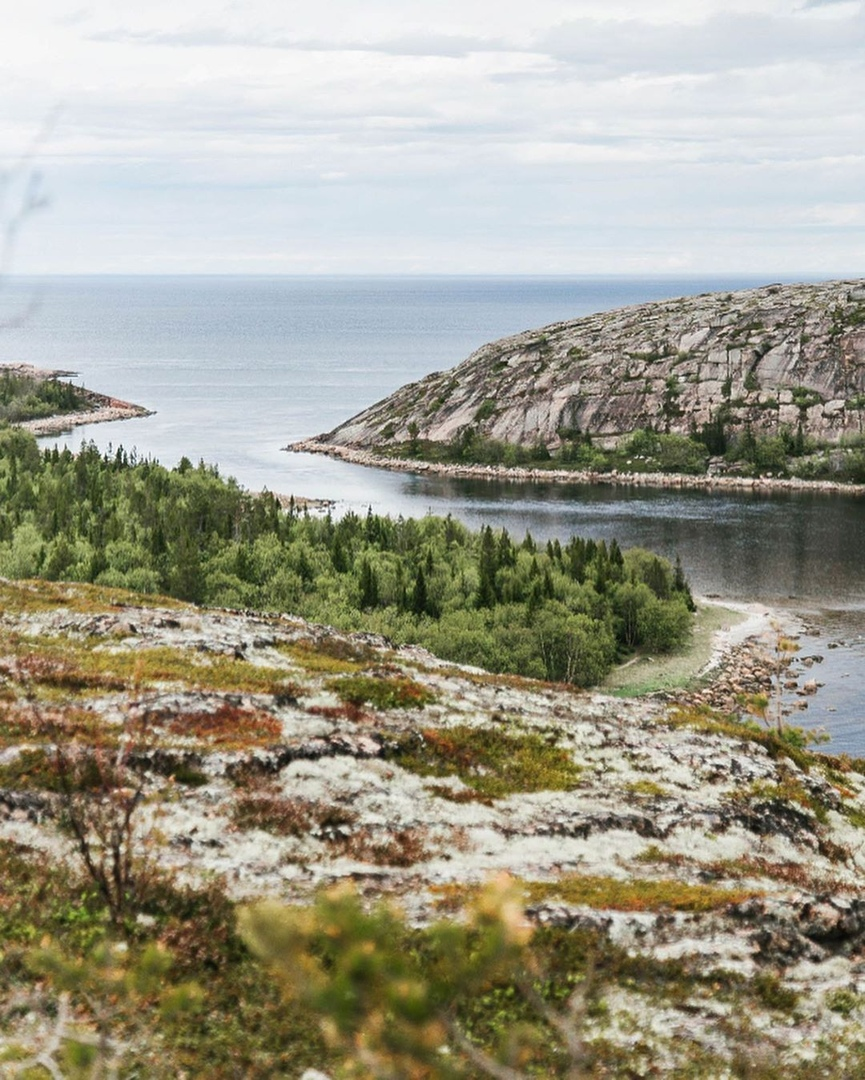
(780, 356)
(283, 757)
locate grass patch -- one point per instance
(34, 596)
(491, 762)
(98, 669)
(382, 690)
(787, 790)
(611, 894)
(656, 856)
(648, 789)
(711, 721)
(328, 657)
(647, 674)
(788, 873)
(26, 722)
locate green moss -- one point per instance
(647, 789)
(492, 762)
(770, 991)
(31, 770)
(382, 691)
(635, 895)
(854, 814)
(843, 1001)
(787, 790)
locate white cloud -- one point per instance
(567, 134)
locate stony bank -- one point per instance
(278, 757)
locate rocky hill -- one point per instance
(780, 355)
(277, 757)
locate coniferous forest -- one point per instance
(554, 611)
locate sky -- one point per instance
(669, 137)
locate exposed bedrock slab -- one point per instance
(767, 357)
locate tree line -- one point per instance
(561, 612)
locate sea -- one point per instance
(237, 368)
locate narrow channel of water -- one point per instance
(238, 367)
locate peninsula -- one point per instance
(766, 382)
(44, 402)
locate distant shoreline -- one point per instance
(521, 474)
(103, 408)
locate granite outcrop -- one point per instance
(781, 356)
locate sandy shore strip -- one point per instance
(519, 474)
(742, 622)
(722, 630)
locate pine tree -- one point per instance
(420, 596)
(368, 586)
(488, 564)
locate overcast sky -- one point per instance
(461, 136)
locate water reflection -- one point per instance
(779, 547)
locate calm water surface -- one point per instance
(236, 368)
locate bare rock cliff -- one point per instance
(779, 355)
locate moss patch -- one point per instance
(612, 894)
(383, 690)
(493, 763)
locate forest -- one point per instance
(26, 397)
(564, 612)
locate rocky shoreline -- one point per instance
(104, 409)
(101, 408)
(519, 474)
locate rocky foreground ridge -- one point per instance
(282, 756)
(779, 355)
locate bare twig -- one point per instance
(479, 1058)
(102, 822)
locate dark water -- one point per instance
(238, 367)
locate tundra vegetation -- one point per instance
(557, 612)
(112, 966)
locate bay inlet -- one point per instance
(235, 368)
